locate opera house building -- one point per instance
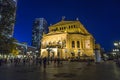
(67, 39)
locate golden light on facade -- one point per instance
(68, 39)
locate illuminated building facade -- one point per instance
(39, 27)
(116, 49)
(7, 17)
(67, 39)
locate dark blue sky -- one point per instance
(100, 17)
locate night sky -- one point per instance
(100, 17)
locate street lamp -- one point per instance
(60, 43)
(48, 49)
(78, 53)
(22, 51)
(65, 53)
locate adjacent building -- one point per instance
(68, 39)
(39, 28)
(116, 49)
(7, 17)
(22, 49)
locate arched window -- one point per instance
(78, 44)
(73, 44)
(69, 27)
(74, 26)
(56, 28)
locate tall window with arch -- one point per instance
(73, 44)
(78, 44)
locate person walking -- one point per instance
(44, 62)
(40, 61)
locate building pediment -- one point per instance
(68, 26)
(62, 23)
(57, 32)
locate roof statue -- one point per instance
(63, 18)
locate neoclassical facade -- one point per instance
(67, 39)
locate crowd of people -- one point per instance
(29, 61)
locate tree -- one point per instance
(7, 45)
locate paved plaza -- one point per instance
(66, 71)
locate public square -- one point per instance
(59, 40)
(66, 71)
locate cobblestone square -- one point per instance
(66, 71)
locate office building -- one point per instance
(39, 28)
(7, 17)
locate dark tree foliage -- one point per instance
(7, 44)
(7, 20)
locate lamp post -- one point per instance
(79, 54)
(22, 51)
(48, 49)
(60, 48)
(65, 53)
